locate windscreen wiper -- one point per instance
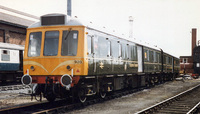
(70, 29)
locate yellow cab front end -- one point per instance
(55, 54)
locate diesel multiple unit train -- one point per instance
(11, 62)
(65, 58)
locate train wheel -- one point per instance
(81, 96)
(102, 94)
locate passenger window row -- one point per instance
(152, 56)
(106, 47)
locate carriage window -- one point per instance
(135, 52)
(120, 50)
(170, 60)
(89, 43)
(95, 47)
(5, 55)
(103, 47)
(127, 51)
(70, 43)
(109, 48)
(51, 43)
(155, 57)
(146, 55)
(159, 59)
(114, 46)
(132, 52)
(123, 51)
(166, 60)
(151, 56)
(34, 44)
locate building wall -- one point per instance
(186, 64)
(13, 34)
(16, 38)
(1, 35)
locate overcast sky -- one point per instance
(165, 23)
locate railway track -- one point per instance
(13, 87)
(60, 106)
(187, 102)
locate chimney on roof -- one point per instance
(131, 27)
(194, 38)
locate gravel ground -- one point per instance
(14, 97)
(140, 100)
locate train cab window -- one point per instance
(34, 44)
(51, 43)
(69, 43)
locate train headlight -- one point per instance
(66, 80)
(26, 80)
(32, 68)
(68, 67)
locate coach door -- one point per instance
(91, 55)
(139, 53)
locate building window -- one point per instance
(198, 64)
(185, 60)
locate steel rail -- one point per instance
(60, 105)
(194, 108)
(171, 99)
(67, 108)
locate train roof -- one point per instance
(67, 20)
(11, 46)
